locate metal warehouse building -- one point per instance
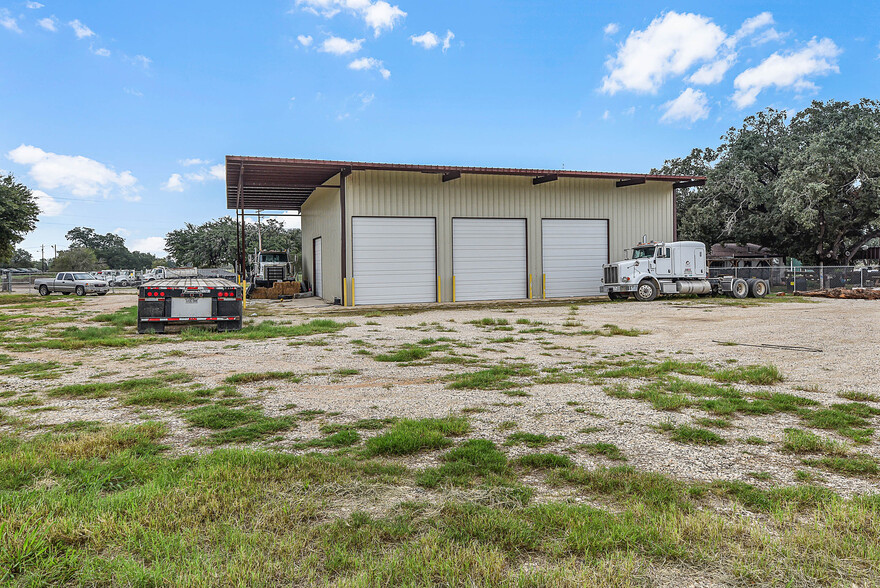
(378, 233)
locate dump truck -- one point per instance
(655, 269)
(189, 301)
(271, 267)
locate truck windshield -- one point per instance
(273, 257)
(641, 252)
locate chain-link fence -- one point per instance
(806, 278)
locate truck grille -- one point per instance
(611, 274)
(274, 273)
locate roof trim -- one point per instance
(272, 183)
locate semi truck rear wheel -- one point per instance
(739, 288)
(759, 288)
(647, 291)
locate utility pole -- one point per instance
(42, 258)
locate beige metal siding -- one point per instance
(633, 211)
(322, 217)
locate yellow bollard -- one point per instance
(352, 291)
(543, 286)
(439, 291)
(244, 295)
(344, 292)
(530, 286)
(453, 288)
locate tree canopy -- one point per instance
(75, 259)
(18, 214)
(19, 258)
(110, 249)
(214, 243)
(807, 188)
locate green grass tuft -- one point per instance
(409, 436)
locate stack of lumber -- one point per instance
(855, 293)
(278, 289)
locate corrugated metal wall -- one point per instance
(632, 212)
(321, 217)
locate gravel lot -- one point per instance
(846, 331)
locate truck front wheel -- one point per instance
(44, 290)
(80, 291)
(646, 292)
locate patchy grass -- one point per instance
(798, 441)
(251, 377)
(461, 465)
(859, 464)
(494, 378)
(34, 370)
(859, 396)
(124, 317)
(609, 450)
(850, 420)
(532, 440)
(544, 461)
(693, 435)
(410, 436)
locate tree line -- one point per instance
(806, 186)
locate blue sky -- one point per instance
(119, 113)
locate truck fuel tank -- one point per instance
(694, 287)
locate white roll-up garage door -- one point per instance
(394, 259)
(489, 258)
(573, 254)
(319, 279)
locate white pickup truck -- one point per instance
(78, 283)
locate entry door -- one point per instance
(574, 251)
(319, 278)
(394, 260)
(489, 258)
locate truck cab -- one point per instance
(271, 267)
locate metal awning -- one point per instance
(270, 183)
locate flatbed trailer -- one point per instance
(189, 301)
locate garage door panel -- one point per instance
(574, 251)
(489, 259)
(394, 260)
(319, 269)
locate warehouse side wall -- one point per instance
(322, 217)
(632, 212)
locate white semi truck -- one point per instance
(271, 267)
(678, 267)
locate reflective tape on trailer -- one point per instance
(206, 318)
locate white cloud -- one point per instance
(79, 175)
(141, 60)
(712, 73)
(49, 23)
(691, 105)
(378, 15)
(48, 205)
(218, 171)
(447, 40)
(768, 36)
(34, 5)
(101, 51)
(122, 232)
(9, 22)
(133, 92)
(787, 71)
(340, 46)
(606, 115)
(81, 30)
(669, 46)
(174, 184)
(752, 25)
(427, 40)
(192, 161)
(154, 245)
(304, 40)
(368, 63)
(611, 28)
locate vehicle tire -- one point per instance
(44, 290)
(647, 291)
(124, 283)
(759, 288)
(80, 291)
(739, 288)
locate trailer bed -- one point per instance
(189, 301)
